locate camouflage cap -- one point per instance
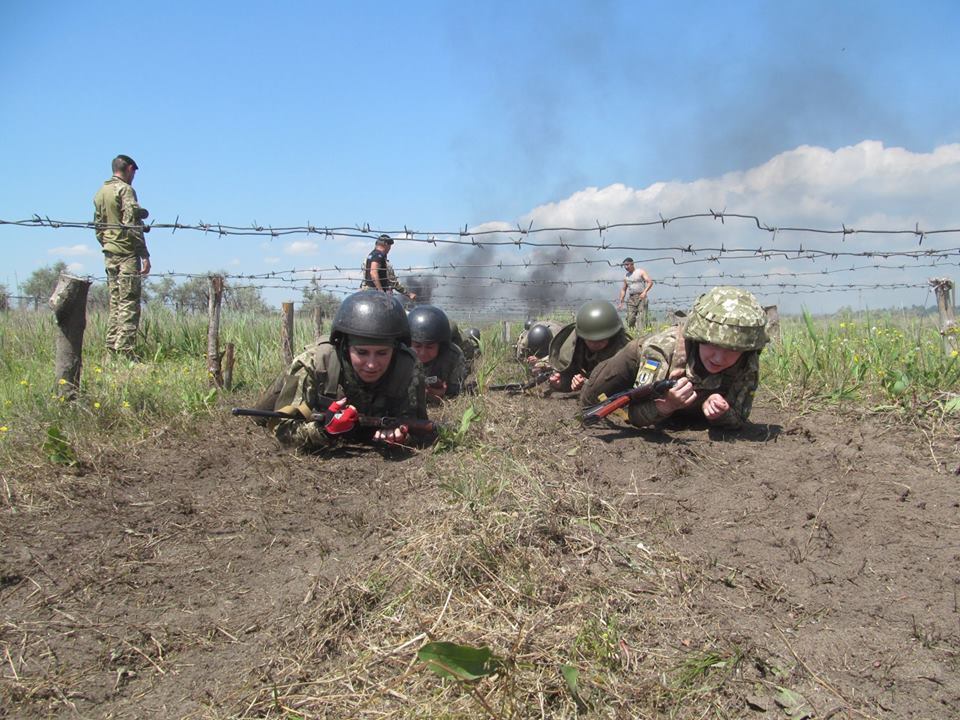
(728, 317)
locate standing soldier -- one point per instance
(442, 360)
(595, 336)
(378, 274)
(118, 221)
(366, 363)
(638, 284)
(714, 357)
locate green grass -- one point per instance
(880, 362)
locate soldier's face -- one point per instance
(629, 267)
(717, 359)
(370, 362)
(426, 351)
(596, 345)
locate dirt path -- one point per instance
(161, 581)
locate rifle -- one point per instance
(595, 413)
(414, 425)
(518, 387)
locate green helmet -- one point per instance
(598, 320)
(728, 317)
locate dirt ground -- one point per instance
(165, 579)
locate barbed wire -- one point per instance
(466, 236)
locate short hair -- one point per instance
(122, 162)
(384, 240)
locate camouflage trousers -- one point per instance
(124, 284)
(638, 310)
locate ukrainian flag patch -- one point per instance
(647, 371)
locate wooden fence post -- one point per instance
(317, 322)
(506, 332)
(773, 322)
(286, 333)
(214, 371)
(943, 287)
(228, 358)
(69, 304)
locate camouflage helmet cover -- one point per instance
(371, 314)
(428, 323)
(728, 317)
(538, 340)
(598, 320)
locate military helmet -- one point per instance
(371, 314)
(428, 323)
(474, 335)
(598, 320)
(539, 339)
(728, 317)
(528, 324)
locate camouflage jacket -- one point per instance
(448, 366)
(569, 355)
(523, 349)
(320, 370)
(650, 359)
(116, 204)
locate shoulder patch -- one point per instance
(647, 371)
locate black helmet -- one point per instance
(528, 324)
(428, 323)
(371, 314)
(474, 335)
(539, 339)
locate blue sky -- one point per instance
(436, 115)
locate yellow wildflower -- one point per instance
(62, 381)
(126, 404)
(96, 405)
(954, 353)
(98, 370)
(4, 428)
(25, 383)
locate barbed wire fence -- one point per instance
(528, 286)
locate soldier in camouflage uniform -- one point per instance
(442, 360)
(595, 336)
(366, 363)
(118, 221)
(469, 344)
(714, 356)
(533, 345)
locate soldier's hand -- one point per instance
(438, 390)
(344, 418)
(715, 406)
(145, 268)
(555, 381)
(412, 296)
(678, 397)
(577, 382)
(397, 436)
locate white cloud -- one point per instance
(75, 267)
(301, 247)
(271, 260)
(72, 251)
(863, 186)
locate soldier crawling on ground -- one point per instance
(596, 335)
(442, 361)
(533, 345)
(714, 356)
(366, 363)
